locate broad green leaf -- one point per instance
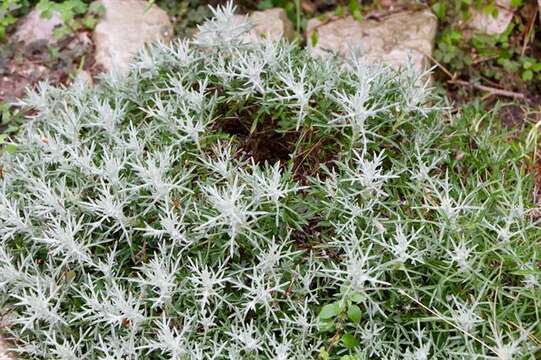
(326, 326)
(357, 298)
(11, 148)
(265, 5)
(329, 311)
(349, 341)
(354, 313)
(527, 75)
(439, 9)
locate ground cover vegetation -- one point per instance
(467, 62)
(248, 201)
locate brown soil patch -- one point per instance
(23, 66)
(265, 143)
(269, 143)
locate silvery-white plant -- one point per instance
(134, 224)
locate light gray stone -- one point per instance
(492, 25)
(125, 29)
(34, 28)
(396, 40)
(268, 24)
(272, 23)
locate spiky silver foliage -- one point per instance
(133, 225)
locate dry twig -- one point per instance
(490, 90)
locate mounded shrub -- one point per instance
(247, 201)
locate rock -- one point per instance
(4, 355)
(489, 24)
(125, 29)
(272, 23)
(395, 40)
(35, 28)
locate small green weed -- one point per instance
(508, 56)
(75, 14)
(10, 11)
(186, 15)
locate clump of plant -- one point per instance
(508, 57)
(232, 200)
